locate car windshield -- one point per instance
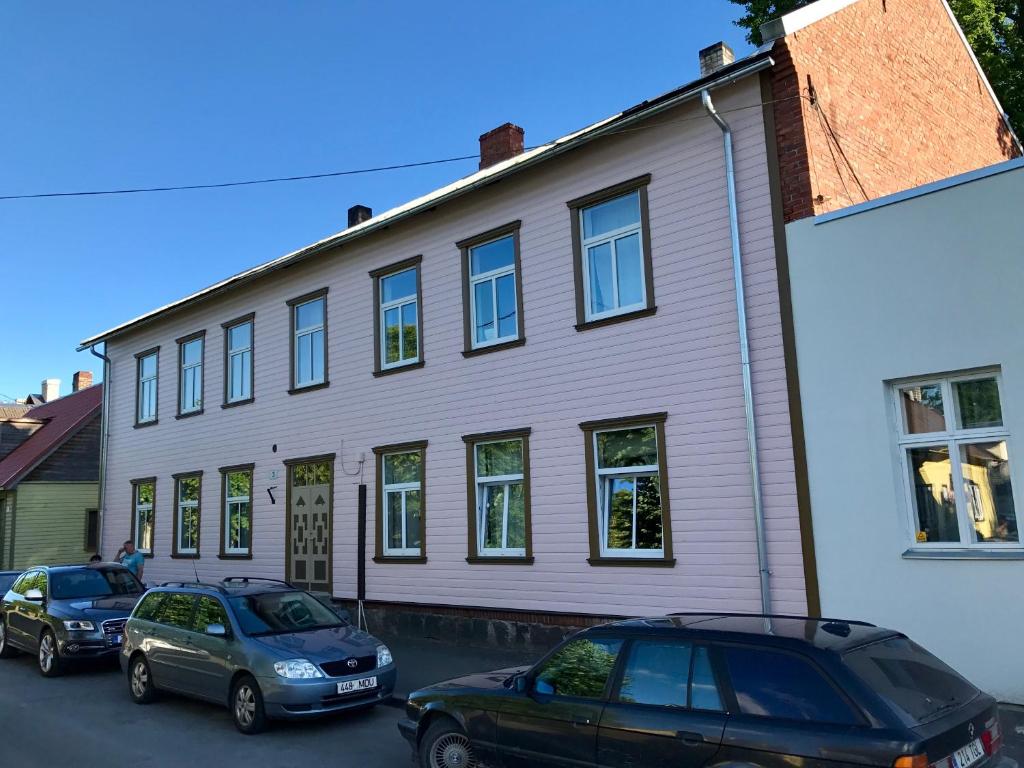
(93, 582)
(279, 612)
(917, 685)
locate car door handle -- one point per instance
(690, 738)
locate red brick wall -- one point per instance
(899, 104)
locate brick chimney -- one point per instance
(715, 57)
(80, 380)
(357, 214)
(503, 142)
(51, 389)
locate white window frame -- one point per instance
(193, 507)
(301, 334)
(483, 482)
(228, 501)
(141, 385)
(403, 489)
(601, 475)
(139, 509)
(245, 353)
(953, 437)
(610, 238)
(492, 276)
(195, 370)
(399, 303)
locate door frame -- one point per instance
(289, 465)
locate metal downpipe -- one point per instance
(104, 428)
(748, 392)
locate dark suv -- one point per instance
(691, 690)
(66, 612)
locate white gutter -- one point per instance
(480, 179)
(748, 392)
(104, 430)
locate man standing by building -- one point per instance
(131, 559)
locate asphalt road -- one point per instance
(86, 719)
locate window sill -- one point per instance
(494, 347)
(189, 414)
(399, 368)
(228, 556)
(141, 424)
(645, 312)
(964, 554)
(308, 388)
(634, 562)
(499, 560)
(236, 403)
(177, 556)
(400, 559)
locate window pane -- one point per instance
(392, 336)
(630, 270)
(412, 519)
(192, 352)
(781, 685)
(318, 356)
(988, 491)
(188, 489)
(636, 447)
(619, 505)
(240, 336)
(245, 387)
(144, 493)
(602, 294)
(176, 610)
(402, 468)
(238, 520)
(209, 611)
(309, 314)
(580, 668)
(483, 308)
(494, 515)
(238, 484)
(923, 409)
(484, 258)
(934, 495)
(614, 214)
(147, 368)
(496, 459)
(506, 306)
(648, 512)
(148, 606)
(188, 528)
(144, 530)
(304, 350)
(398, 286)
(703, 689)
(516, 516)
(409, 335)
(978, 403)
(395, 520)
(656, 673)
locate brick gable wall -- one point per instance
(898, 103)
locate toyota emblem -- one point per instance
(352, 664)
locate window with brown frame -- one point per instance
(612, 264)
(191, 367)
(401, 529)
(492, 290)
(308, 342)
(186, 514)
(627, 491)
(397, 324)
(498, 495)
(239, 360)
(236, 512)
(144, 514)
(147, 365)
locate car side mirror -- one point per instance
(522, 683)
(34, 596)
(216, 630)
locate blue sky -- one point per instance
(103, 95)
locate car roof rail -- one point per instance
(233, 580)
(193, 585)
(721, 615)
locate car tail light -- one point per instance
(992, 739)
(911, 761)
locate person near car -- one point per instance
(131, 559)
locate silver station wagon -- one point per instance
(264, 648)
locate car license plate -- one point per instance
(115, 639)
(968, 755)
(351, 686)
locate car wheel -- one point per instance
(6, 649)
(446, 745)
(247, 706)
(50, 664)
(140, 681)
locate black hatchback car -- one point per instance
(694, 690)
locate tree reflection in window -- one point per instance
(580, 668)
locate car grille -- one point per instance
(342, 668)
(114, 627)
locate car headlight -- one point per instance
(74, 624)
(297, 669)
(383, 656)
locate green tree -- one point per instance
(992, 27)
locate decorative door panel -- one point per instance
(309, 540)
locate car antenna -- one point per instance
(195, 570)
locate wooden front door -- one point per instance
(310, 491)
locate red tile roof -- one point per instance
(63, 417)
